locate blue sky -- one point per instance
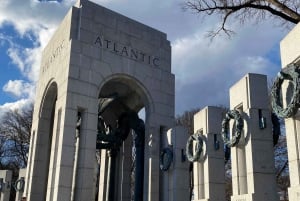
(204, 70)
(9, 69)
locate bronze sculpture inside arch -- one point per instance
(111, 139)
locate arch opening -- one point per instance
(44, 140)
(123, 138)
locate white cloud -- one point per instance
(32, 15)
(16, 59)
(257, 64)
(22, 103)
(19, 88)
(27, 60)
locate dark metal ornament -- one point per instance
(166, 158)
(291, 73)
(239, 125)
(189, 147)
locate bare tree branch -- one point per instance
(242, 10)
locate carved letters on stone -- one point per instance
(54, 54)
(126, 51)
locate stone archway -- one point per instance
(96, 53)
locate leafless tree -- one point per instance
(187, 120)
(2, 152)
(15, 126)
(284, 11)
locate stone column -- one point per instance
(209, 172)
(124, 170)
(19, 185)
(5, 183)
(104, 176)
(86, 158)
(165, 142)
(293, 145)
(151, 168)
(290, 52)
(178, 174)
(253, 170)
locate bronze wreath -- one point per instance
(198, 149)
(290, 73)
(164, 165)
(239, 125)
(21, 186)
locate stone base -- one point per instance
(208, 199)
(294, 193)
(257, 197)
(245, 197)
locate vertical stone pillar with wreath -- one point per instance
(208, 168)
(288, 82)
(251, 141)
(20, 184)
(174, 169)
(5, 184)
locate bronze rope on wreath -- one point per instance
(291, 73)
(166, 158)
(239, 125)
(198, 149)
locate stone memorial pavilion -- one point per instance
(88, 142)
(97, 72)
